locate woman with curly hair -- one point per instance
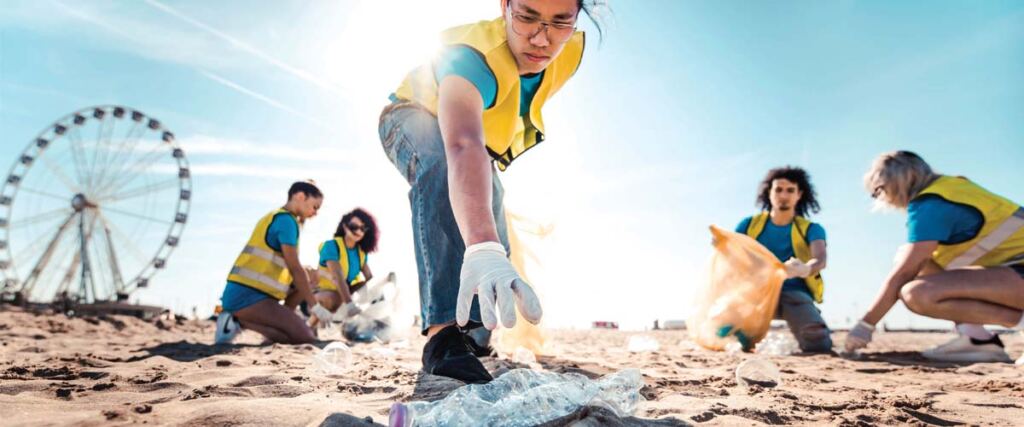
(343, 261)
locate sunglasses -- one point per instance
(356, 227)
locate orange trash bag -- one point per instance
(524, 334)
(740, 297)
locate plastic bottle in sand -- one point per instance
(523, 397)
(759, 372)
(333, 359)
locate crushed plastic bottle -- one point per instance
(524, 356)
(734, 347)
(522, 397)
(642, 343)
(377, 304)
(759, 372)
(778, 343)
(333, 359)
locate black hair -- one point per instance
(595, 10)
(808, 201)
(307, 187)
(370, 236)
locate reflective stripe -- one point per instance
(262, 278)
(991, 241)
(326, 273)
(265, 254)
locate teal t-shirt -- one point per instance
(779, 240)
(467, 63)
(331, 252)
(934, 218)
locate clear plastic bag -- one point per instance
(522, 397)
(741, 295)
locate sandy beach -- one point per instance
(57, 370)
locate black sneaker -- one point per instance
(479, 341)
(449, 354)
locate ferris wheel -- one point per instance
(93, 207)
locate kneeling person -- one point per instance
(343, 272)
(268, 272)
(786, 195)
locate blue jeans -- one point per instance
(797, 308)
(411, 138)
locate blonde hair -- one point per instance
(900, 175)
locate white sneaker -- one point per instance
(1020, 362)
(227, 328)
(965, 349)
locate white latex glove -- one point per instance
(797, 268)
(322, 314)
(487, 272)
(859, 336)
(348, 310)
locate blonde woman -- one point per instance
(963, 261)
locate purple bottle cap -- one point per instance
(398, 415)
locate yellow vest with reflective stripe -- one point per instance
(506, 133)
(327, 281)
(801, 248)
(261, 267)
(1001, 238)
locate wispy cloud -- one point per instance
(267, 100)
(200, 145)
(245, 47)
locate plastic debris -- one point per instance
(334, 359)
(778, 343)
(522, 397)
(758, 372)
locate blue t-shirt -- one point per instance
(283, 230)
(779, 240)
(465, 62)
(331, 252)
(935, 218)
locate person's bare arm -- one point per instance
(819, 257)
(367, 274)
(910, 259)
(291, 260)
(460, 116)
(343, 287)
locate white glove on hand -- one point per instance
(322, 314)
(348, 310)
(487, 272)
(797, 268)
(859, 336)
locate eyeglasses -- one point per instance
(357, 227)
(529, 26)
(877, 191)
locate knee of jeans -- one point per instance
(815, 335)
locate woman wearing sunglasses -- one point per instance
(476, 107)
(343, 261)
(964, 260)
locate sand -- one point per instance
(122, 370)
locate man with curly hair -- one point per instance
(786, 198)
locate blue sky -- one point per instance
(667, 128)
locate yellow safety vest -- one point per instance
(506, 133)
(327, 281)
(801, 247)
(1000, 240)
(261, 267)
